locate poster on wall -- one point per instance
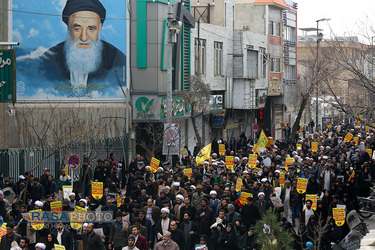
(171, 139)
(70, 49)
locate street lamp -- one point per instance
(319, 38)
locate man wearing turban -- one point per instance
(84, 58)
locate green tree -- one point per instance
(274, 238)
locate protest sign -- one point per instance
(314, 199)
(244, 196)
(56, 206)
(229, 162)
(252, 160)
(97, 190)
(314, 146)
(339, 215)
(301, 185)
(221, 149)
(154, 165)
(239, 184)
(188, 172)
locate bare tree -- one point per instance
(52, 128)
(356, 63)
(314, 70)
(198, 99)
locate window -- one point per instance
(218, 59)
(290, 72)
(290, 33)
(263, 59)
(200, 56)
(274, 28)
(252, 64)
(276, 64)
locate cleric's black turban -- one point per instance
(73, 6)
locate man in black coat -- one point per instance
(37, 192)
(190, 231)
(90, 239)
(83, 58)
(205, 217)
(250, 213)
(63, 236)
(9, 237)
(177, 235)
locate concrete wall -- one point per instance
(152, 78)
(214, 33)
(249, 16)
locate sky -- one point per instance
(347, 17)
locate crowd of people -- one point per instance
(168, 209)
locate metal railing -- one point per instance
(16, 161)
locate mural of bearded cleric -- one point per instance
(84, 58)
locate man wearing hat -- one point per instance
(131, 243)
(118, 234)
(162, 225)
(197, 197)
(37, 192)
(83, 58)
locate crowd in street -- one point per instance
(169, 209)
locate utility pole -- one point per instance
(173, 29)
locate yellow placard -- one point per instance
(289, 161)
(188, 172)
(282, 125)
(3, 230)
(369, 151)
(314, 199)
(282, 179)
(356, 139)
(97, 190)
(184, 153)
(348, 137)
(301, 185)
(244, 196)
(34, 218)
(300, 128)
(154, 165)
(56, 206)
(59, 247)
(78, 215)
(239, 184)
(299, 145)
(221, 149)
(229, 161)
(360, 117)
(118, 200)
(367, 128)
(252, 160)
(339, 215)
(329, 126)
(314, 146)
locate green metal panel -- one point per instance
(8, 76)
(186, 52)
(142, 30)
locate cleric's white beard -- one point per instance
(83, 60)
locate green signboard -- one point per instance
(8, 76)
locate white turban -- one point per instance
(261, 193)
(39, 203)
(213, 192)
(176, 184)
(179, 196)
(84, 201)
(164, 209)
(41, 246)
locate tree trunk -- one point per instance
(199, 139)
(296, 124)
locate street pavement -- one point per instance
(370, 222)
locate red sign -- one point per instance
(73, 161)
